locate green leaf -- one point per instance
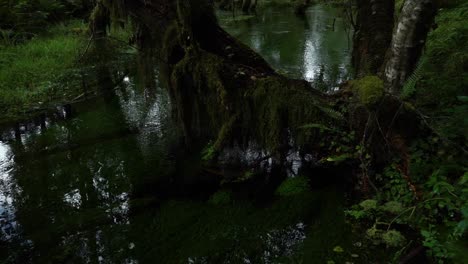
(339, 158)
(338, 249)
(319, 126)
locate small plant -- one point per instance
(393, 207)
(390, 238)
(208, 152)
(368, 205)
(393, 238)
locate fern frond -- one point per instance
(331, 113)
(409, 88)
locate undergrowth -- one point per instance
(429, 207)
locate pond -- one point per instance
(316, 47)
(112, 180)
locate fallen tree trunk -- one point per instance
(221, 88)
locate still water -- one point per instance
(109, 180)
(316, 47)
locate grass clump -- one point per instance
(27, 71)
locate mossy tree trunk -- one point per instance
(212, 75)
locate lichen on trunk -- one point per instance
(408, 42)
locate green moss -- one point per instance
(280, 103)
(293, 186)
(272, 107)
(370, 90)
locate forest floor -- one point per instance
(30, 71)
(45, 71)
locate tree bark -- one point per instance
(373, 34)
(408, 42)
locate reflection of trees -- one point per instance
(298, 44)
(84, 182)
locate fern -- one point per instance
(331, 113)
(409, 88)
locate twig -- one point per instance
(87, 47)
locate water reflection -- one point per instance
(7, 210)
(110, 180)
(316, 47)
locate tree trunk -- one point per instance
(373, 34)
(246, 5)
(408, 42)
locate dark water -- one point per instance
(316, 47)
(110, 180)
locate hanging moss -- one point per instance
(283, 106)
(227, 89)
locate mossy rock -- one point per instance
(293, 186)
(370, 90)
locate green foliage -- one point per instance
(27, 71)
(368, 205)
(393, 207)
(208, 152)
(23, 19)
(293, 186)
(409, 88)
(221, 198)
(393, 238)
(438, 211)
(370, 90)
(390, 238)
(338, 249)
(443, 75)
